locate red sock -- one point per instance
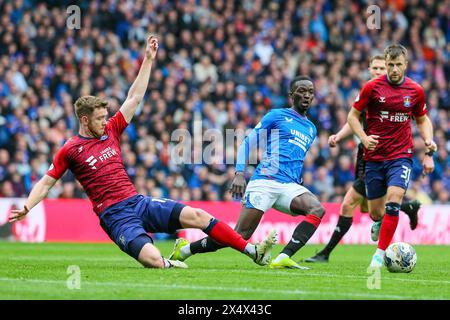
(222, 233)
(388, 227)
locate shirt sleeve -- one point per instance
(315, 135)
(363, 97)
(117, 123)
(59, 165)
(251, 141)
(420, 108)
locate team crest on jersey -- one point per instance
(256, 200)
(122, 239)
(407, 101)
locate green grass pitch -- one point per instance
(41, 271)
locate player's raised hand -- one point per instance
(333, 140)
(152, 47)
(237, 188)
(371, 142)
(17, 215)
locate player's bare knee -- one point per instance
(152, 262)
(396, 197)
(194, 218)
(376, 214)
(202, 217)
(347, 208)
(317, 210)
(395, 194)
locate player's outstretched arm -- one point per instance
(139, 86)
(39, 192)
(238, 184)
(250, 142)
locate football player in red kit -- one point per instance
(356, 195)
(390, 101)
(94, 156)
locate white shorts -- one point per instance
(265, 194)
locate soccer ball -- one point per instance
(400, 257)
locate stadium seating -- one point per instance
(220, 65)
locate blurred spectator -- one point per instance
(323, 184)
(205, 70)
(221, 66)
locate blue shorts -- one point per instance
(381, 175)
(134, 217)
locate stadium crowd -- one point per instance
(221, 65)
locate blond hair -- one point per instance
(85, 106)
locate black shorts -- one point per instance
(360, 172)
(360, 187)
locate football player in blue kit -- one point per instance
(276, 182)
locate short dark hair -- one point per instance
(394, 51)
(376, 57)
(296, 79)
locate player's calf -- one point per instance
(304, 231)
(150, 257)
(248, 221)
(222, 233)
(352, 199)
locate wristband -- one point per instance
(429, 153)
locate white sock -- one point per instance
(280, 256)
(166, 263)
(379, 252)
(186, 251)
(250, 250)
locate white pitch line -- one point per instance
(49, 258)
(302, 273)
(216, 288)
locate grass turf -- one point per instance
(41, 271)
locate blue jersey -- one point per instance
(286, 137)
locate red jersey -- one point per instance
(389, 109)
(97, 165)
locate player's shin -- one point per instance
(343, 225)
(225, 235)
(388, 225)
(206, 244)
(301, 235)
